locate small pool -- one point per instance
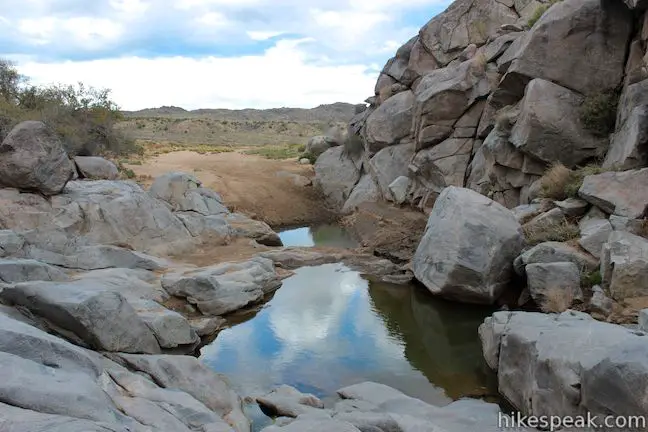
(330, 235)
(327, 328)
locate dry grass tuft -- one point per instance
(555, 181)
(561, 232)
(557, 300)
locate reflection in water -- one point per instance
(327, 328)
(322, 235)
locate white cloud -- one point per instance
(262, 35)
(281, 76)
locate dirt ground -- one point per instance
(261, 188)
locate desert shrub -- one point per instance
(125, 172)
(559, 182)
(590, 279)
(557, 231)
(557, 300)
(598, 112)
(83, 116)
(282, 151)
(555, 181)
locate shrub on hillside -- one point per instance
(598, 113)
(559, 182)
(83, 116)
(557, 232)
(539, 11)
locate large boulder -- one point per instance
(335, 176)
(554, 252)
(545, 362)
(624, 265)
(554, 279)
(96, 168)
(318, 145)
(629, 144)
(243, 226)
(465, 22)
(103, 320)
(389, 164)
(49, 384)
(365, 191)
(390, 123)
(445, 95)
(468, 248)
(102, 212)
(619, 193)
(32, 158)
(549, 126)
(224, 288)
(547, 50)
(24, 270)
(184, 193)
(290, 402)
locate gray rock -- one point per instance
(601, 303)
(616, 384)
(213, 229)
(633, 226)
(171, 329)
(572, 207)
(547, 50)
(370, 422)
(97, 211)
(335, 176)
(389, 164)
(27, 384)
(526, 212)
(546, 219)
(316, 425)
(365, 191)
(32, 158)
(11, 244)
(620, 193)
(102, 319)
(643, 320)
(91, 257)
(544, 361)
(467, 251)
(133, 284)
(549, 126)
(304, 161)
(444, 96)
(224, 288)
(594, 234)
(552, 279)
(190, 375)
(628, 144)
(207, 326)
(19, 270)
(184, 192)
(398, 189)
(390, 123)
(243, 226)
(453, 30)
(289, 402)
(552, 252)
(318, 145)
(624, 265)
(421, 62)
(96, 168)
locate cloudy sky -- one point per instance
(212, 53)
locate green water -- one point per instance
(327, 328)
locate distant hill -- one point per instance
(247, 127)
(337, 112)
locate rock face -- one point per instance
(49, 384)
(96, 168)
(548, 279)
(390, 123)
(565, 364)
(224, 288)
(318, 145)
(549, 114)
(547, 50)
(32, 158)
(468, 248)
(184, 193)
(624, 265)
(336, 176)
(619, 193)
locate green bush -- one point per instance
(590, 279)
(598, 113)
(83, 116)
